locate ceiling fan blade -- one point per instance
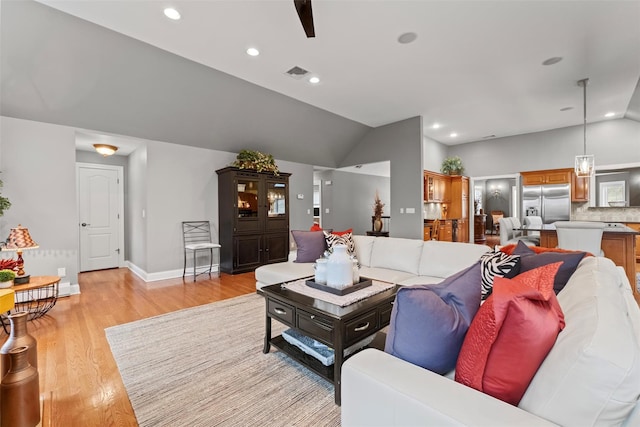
(303, 7)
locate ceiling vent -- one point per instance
(297, 72)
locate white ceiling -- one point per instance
(475, 67)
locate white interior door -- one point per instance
(99, 195)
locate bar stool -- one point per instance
(196, 236)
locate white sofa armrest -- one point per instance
(381, 390)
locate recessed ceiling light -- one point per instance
(314, 80)
(435, 126)
(552, 60)
(566, 108)
(407, 38)
(252, 51)
(171, 13)
(453, 134)
(610, 114)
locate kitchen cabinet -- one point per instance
(463, 231)
(445, 232)
(636, 226)
(549, 176)
(253, 211)
(579, 188)
(426, 233)
(436, 187)
(459, 206)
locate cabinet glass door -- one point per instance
(247, 198)
(277, 199)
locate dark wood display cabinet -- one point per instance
(253, 211)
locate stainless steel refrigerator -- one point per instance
(551, 202)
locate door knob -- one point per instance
(84, 224)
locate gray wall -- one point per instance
(38, 170)
(402, 144)
(170, 183)
(434, 154)
(136, 202)
(57, 68)
(350, 199)
(611, 141)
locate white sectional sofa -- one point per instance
(403, 261)
(591, 377)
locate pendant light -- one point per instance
(585, 164)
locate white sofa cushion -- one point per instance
(396, 254)
(282, 272)
(364, 244)
(442, 259)
(592, 374)
(385, 274)
(421, 280)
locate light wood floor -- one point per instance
(78, 376)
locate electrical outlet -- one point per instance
(62, 272)
(401, 210)
(411, 210)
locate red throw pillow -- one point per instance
(341, 233)
(511, 335)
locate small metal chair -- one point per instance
(196, 236)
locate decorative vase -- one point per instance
(19, 337)
(20, 391)
(320, 268)
(339, 268)
(377, 225)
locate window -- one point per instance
(612, 191)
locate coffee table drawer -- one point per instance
(385, 314)
(361, 327)
(281, 311)
(315, 326)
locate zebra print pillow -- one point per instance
(497, 264)
(343, 239)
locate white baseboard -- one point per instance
(65, 289)
(163, 275)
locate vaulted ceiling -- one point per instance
(475, 68)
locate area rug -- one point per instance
(204, 366)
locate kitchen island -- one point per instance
(618, 244)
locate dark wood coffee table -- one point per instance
(338, 327)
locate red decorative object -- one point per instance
(8, 264)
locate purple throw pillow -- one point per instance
(530, 260)
(311, 245)
(429, 322)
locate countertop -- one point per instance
(612, 227)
